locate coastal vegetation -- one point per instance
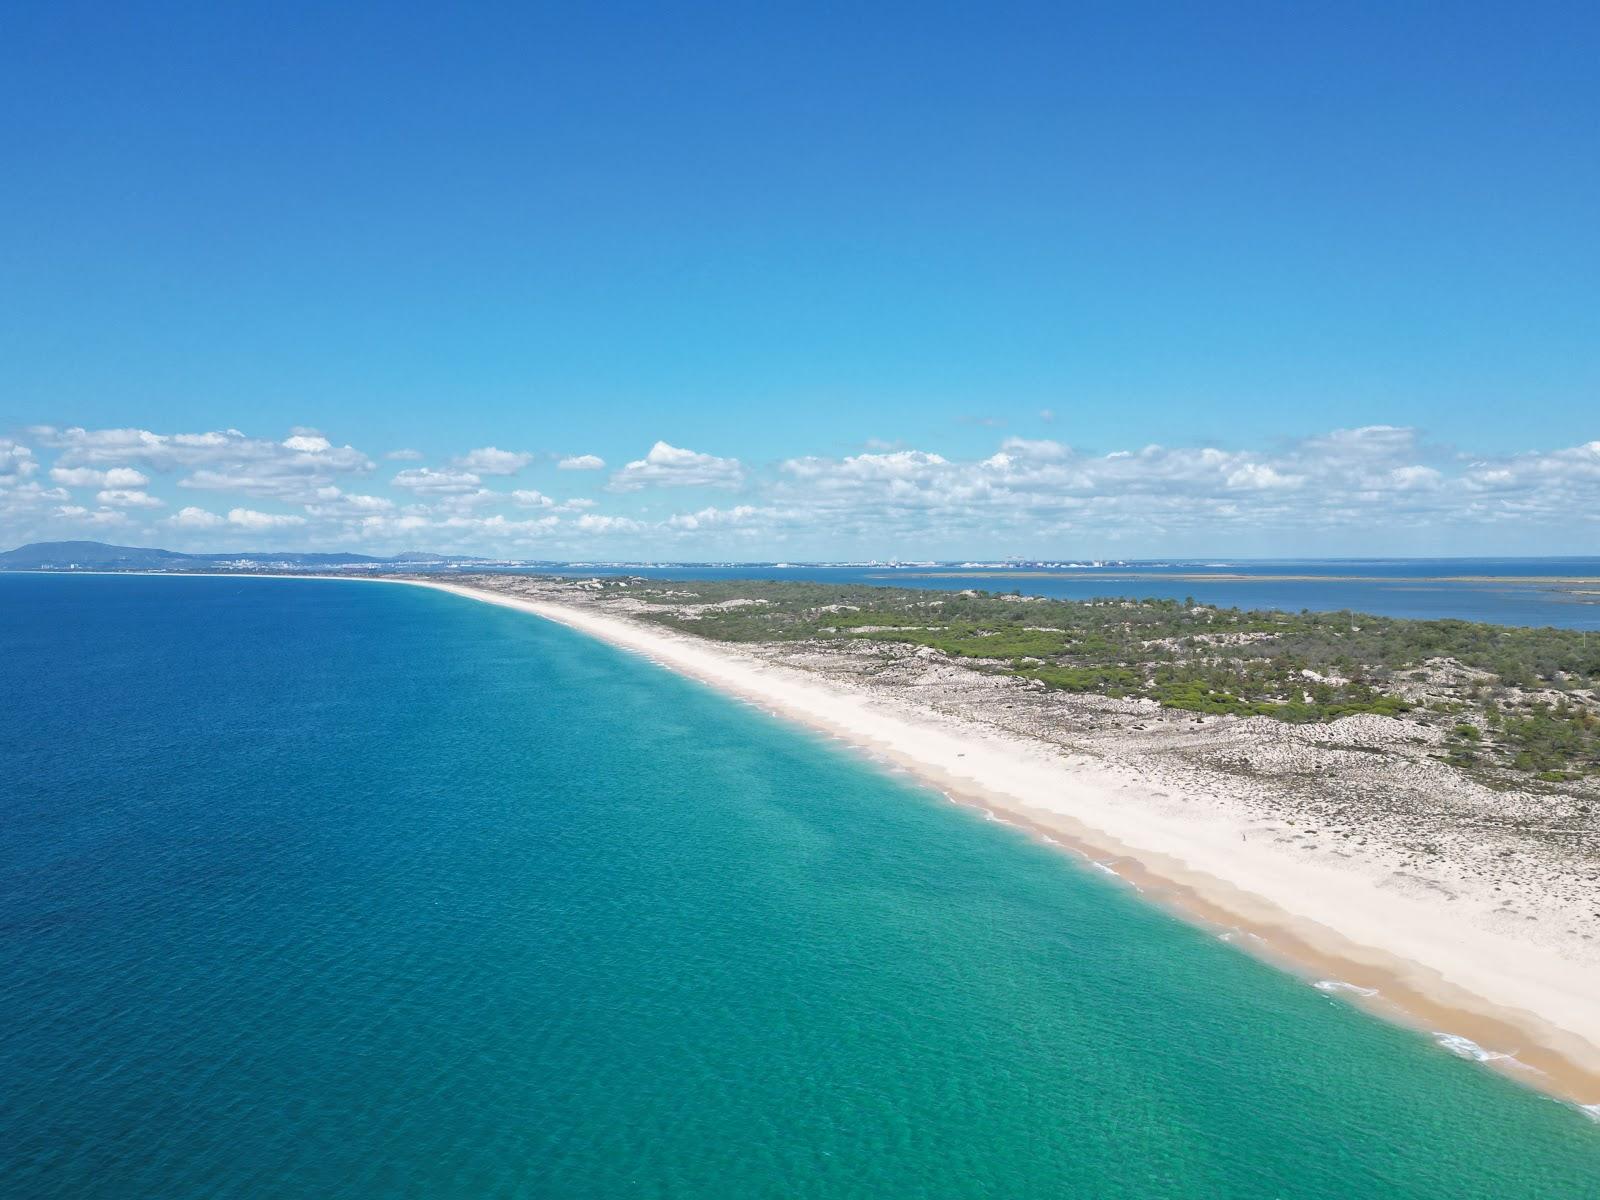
(1519, 699)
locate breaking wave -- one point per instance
(1339, 985)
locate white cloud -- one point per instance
(595, 523)
(1026, 496)
(581, 462)
(103, 517)
(331, 503)
(489, 460)
(1035, 493)
(404, 455)
(195, 518)
(530, 498)
(498, 525)
(1260, 475)
(494, 533)
(161, 452)
(16, 462)
(1409, 478)
(366, 503)
(671, 466)
(721, 518)
(220, 460)
(246, 518)
(1040, 449)
(128, 498)
(1363, 444)
(116, 477)
(425, 481)
(1017, 450)
(859, 468)
(456, 502)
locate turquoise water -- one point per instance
(1416, 588)
(322, 889)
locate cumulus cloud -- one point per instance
(25, 500)
(1368, 443)
(246, 518)
(191, 517)
(489, 460)
(16, 462)
(1345, 480)
(530, 498)
(220, 460)
(1261, 476)
(1413, 477)
(425, 481)
(1554, 486)
(332, 503)
(741, 515)
(459, 502)
(581, 462)
(498, 525)
(672, 466)
(116, 477)
(1015, 450)
(160, 452)
(866, 468)
(77, 514)
(1024, 495)
(128, 498)
(496, 532)
(1335, 485)
(595, 523)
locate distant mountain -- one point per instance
(45, 556)
(98, 556)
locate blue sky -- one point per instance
(887, 280)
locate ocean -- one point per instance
(322, 888)
(1502, 591)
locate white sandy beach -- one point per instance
(1448, 962)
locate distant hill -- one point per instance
(98, 556)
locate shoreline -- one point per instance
(1517, 1009)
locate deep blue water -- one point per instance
(1422, 588)
(320, 888)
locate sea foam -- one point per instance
(1339, 985)
(1463, 1047)
(1234, 935)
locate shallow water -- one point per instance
(1502, 591)
(312, 888)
